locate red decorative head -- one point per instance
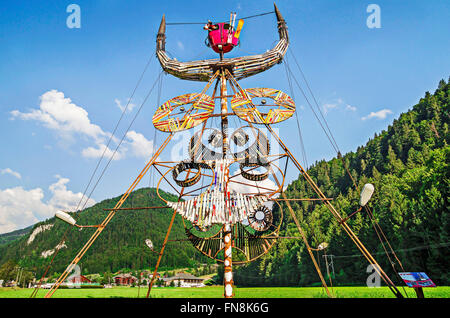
(221, 37)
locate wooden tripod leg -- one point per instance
(339, 218)
(324, 284)
(166, 238)
(105, 222)
(161, 253)
(302, 233)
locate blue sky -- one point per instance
(353, 71)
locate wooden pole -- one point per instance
(227, 237)
(161, 253)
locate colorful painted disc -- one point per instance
(172, 116)
(280, 108)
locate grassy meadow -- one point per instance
(217, 292)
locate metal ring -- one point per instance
(183, 166)
(253, 176)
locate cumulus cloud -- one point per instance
(134, 144)
(64, 199)
(99, 150)
(350, 107)
(139, 145)
(11, 172)
(60, 114)
(381, 114)
(20, 208)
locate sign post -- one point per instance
(417, 280)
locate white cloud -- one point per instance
(11, 172)
(327, 107)
(351, 108)
(135, 144)
(60, 114)
(338, 103)
(139, 145)
(92, 152)
(64, 199)
(381, 114)
(122, 107)
(20, 208)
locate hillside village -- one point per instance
(205, 275)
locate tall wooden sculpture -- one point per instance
(231, 180)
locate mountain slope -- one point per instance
(120, 245)
(408, 164)
(14, 235)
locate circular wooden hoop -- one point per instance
(202, 108)
(243, 107)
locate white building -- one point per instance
(184, 280)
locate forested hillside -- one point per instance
(120, 245)
(14, 235)
(408, 164)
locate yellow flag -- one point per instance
(238, 29)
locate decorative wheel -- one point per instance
(172, 116)
(261, 219)
(206, 145)
(246, 106)
(249, 144)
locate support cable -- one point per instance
(312, 108)
(315, 100)
(115, 129)
(123, 137)
(302, 146)
(244, 18)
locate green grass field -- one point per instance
(217, 292)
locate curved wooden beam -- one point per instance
(240, 67)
